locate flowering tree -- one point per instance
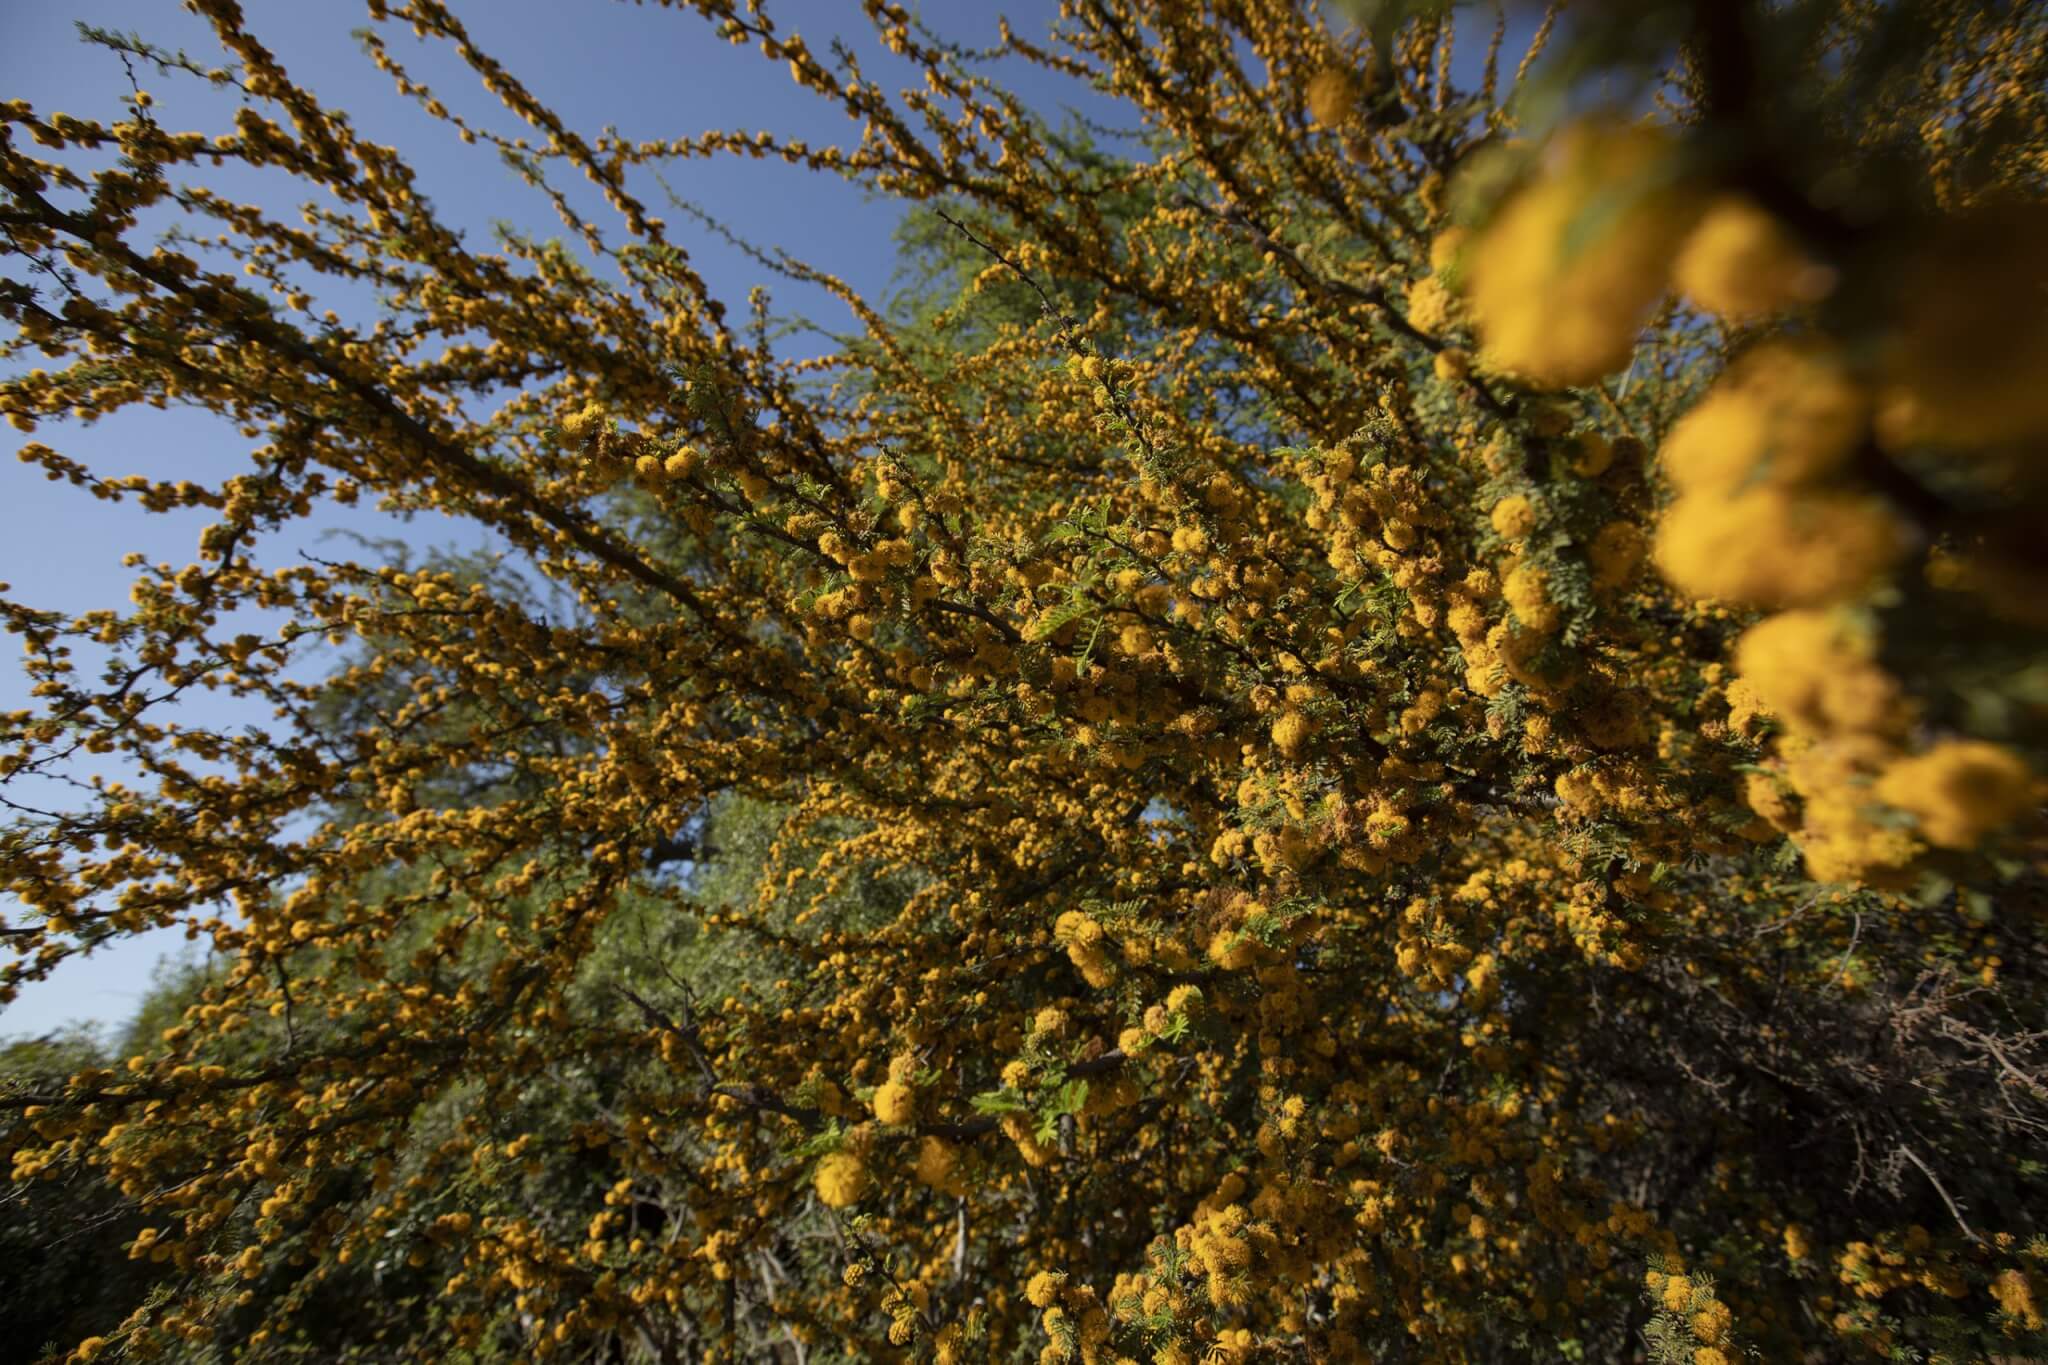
(1399, 721)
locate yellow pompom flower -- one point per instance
(1616, 553)
(1564, 276)
(1960, 790)
(1513, 517)
(1817, 671)
(1291, 731)
(1332, 96)
(1775, 547)
(938, 1165)
(895, 1102)
(1527, 591)
(842, 1179)
(1429, 305)
(1043, 1289)
(1784, 413)
(1741, 264)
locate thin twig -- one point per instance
(1854, 934)
(1020, 272)
(1939, 1189)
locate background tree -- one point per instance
(1150, 804)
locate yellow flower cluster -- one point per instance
(1085, 943)
(1332, 94)
(1741, 264)
(1563, 278)
(1759, 518)
(1075, 1324)
(1693, 1312)
(1844, 756)
(842, 1179)
(2014, 1290)
(1566, 273)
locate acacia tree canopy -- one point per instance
(1394, 718)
